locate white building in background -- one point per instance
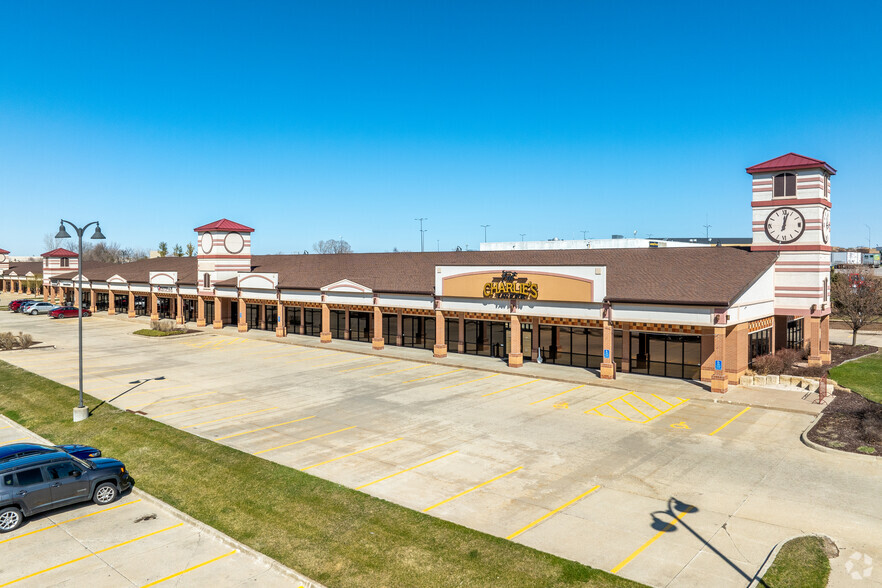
(613, 243)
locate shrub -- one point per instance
(789, 357)
(7, 341)
(25, 340)
(768, 364)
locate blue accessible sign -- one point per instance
(606, 354)
(718, 365)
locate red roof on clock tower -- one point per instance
(224, 225)
(788, 162)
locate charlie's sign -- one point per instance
(510, 287)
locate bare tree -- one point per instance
(332, 246)
(101, 251)
(857, 299)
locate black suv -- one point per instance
(36, 483)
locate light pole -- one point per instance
(80, 413)
(868, 238)
(422, 234)
(485, 232)
(522, 236)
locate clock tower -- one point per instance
(224, 250)
(791, 216)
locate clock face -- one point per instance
(825, 225)
(2, 257)
(785, 225)
(206, 242)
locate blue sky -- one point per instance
(319, 120)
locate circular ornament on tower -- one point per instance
(2, 257)
(825, 225)
(206, 242)
(234, 243)
(784, 225)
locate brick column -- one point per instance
(460, 344)
(218, 314)
(281, 325)
(28, 287)
(45, 295)
(131, 304)
(200, 311)
(302, 327)
(346, 334)
(626, 348)
(826, 355)
(608, 364)
(814, 341)
(179, 310)
(325, 333)
(243, 324)
(516, 357)
(378, 342)
(93, 302)
(440, 335)
(111, 302)
(398, 326)
(719, 380)
(154, 311)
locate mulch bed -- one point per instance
(839, 353)
(848, 423)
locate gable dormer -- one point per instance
(59, 261)
(224, 251)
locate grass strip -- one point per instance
(864, 376)
(333, 534)
(155, 333)
(801, 563)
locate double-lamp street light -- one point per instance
(80, 412)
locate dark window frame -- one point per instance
(784, 185)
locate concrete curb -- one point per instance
(758, 578)
(207, 529)
(824, 449)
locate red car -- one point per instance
(67, 312)
(13, 306)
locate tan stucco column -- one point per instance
(826, 355)
(154, 310)
(243, 324)
(814, 341)
(516, 356)
(200, 311)
(325, 333)
(179, 310)
(45, 295)
(281, 325)
(398, 328)
(28, 287)
(218, 314)
(346, 334)
(719, 380)
(607, 362)
(111, 302)
(131, 304)
(440, 348)
(377, 342)
(301, 328)
(93, 301)
(626, 348)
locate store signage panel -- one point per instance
(518, 285)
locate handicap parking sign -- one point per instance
(606, 354)
(718, 365)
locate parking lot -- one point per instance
(662, 489)
(135, 541)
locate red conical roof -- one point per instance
(790, 161)
(224, 225)
(59, 253)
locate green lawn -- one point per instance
(335, 535)
(801, 563)
(156, 333)
(864, 376)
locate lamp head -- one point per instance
(62, 234)
(98, 234)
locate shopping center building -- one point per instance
(699, 313)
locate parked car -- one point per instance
(67, 312)
(37, 483)
(15, 305)
(23, 308)
(16, 450)
(39, 308)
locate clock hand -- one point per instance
(784, 223)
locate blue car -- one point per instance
(16, 450)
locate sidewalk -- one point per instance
(786, 400)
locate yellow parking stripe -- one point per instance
(198, 408)
(94, 553)
(230, 417)
(312, 357)
(19, 439)
(434, 376)
(338, 362)
(300, 441)
(553, 512)
(475, 488)
(471, 381)
(315, 465)
(174, 398)
(190, 569)
(364, 367)
(667, 528)
(264, 428)
(727, 423)
(416, 367)
(92, 514)
(406, 470)
(509, 388)
(558, 394)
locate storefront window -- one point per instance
(672, 356)
(360, 326)
(795, 334)
(390, 329)
(418, 331)
(759, 343)
(209, 312)
(270, 316)
(312, 321)
(292, 319)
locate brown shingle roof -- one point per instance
(704, 276)
(23, 267)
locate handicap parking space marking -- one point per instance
(634, 408)
(472, 489)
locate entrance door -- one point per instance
(252, 315)
(270, 315)
(672, 356)
(209, 312)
